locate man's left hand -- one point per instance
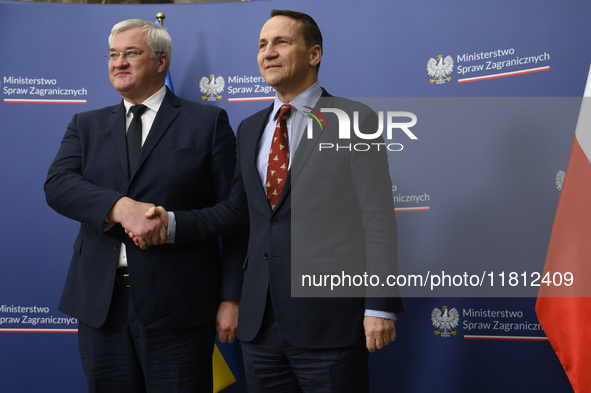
(227, 321)
(379, 332)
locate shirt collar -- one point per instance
(153, 102)
(308, 98)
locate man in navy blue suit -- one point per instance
(147, 314)
(333, 213)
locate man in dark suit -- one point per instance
(333, 213)
(147, 315)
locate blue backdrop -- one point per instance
(474, 193)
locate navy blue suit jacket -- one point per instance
(348, 224)
(187, 162)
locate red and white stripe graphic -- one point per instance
(503, 74)
(34, 101)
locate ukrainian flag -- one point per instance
(225, 366)
(169, 82)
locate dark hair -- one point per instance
(310, 30)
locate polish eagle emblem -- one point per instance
(445, 320)
(212, 87)
(440, 69)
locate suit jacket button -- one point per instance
(266, 256)
(115, 248)
(274, 220)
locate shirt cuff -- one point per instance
(107, 225)
(381, 314)
(171, 228)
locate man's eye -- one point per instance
(113, 55)
(132, 53)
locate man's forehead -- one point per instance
(136, 34)
(281, 26)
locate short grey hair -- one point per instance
(158, 40)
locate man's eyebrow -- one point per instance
(127, 48)
(279, 37)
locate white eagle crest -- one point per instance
(445, 322)
(440, 70)
(559, 179)
(212, 88)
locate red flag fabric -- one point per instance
(564, 299)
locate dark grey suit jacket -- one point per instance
(335, 213)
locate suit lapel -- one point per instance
(258, 124)
(117, 125)
(169, 110)
(307, 146)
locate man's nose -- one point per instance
(121, 61)
(270, 51)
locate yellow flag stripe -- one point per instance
(222, 375)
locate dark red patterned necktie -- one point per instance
(278, 158)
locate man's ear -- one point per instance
(315, 55)
(163, 61)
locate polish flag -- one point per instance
(564, 298)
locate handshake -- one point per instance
(145, 223)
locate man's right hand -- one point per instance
(146, 230)
(153, 213)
